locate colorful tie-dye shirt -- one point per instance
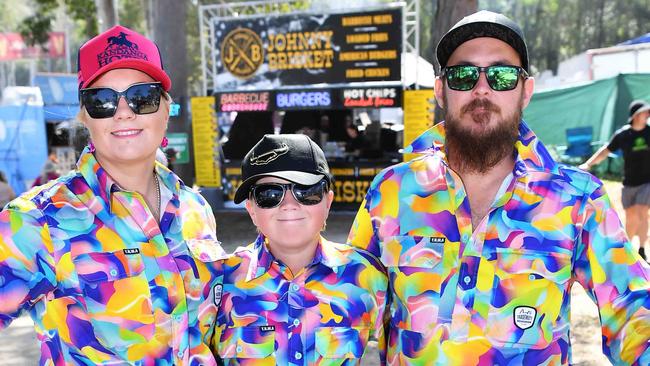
(324, 315)
(103, 282)
(499, 294)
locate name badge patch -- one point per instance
(267, 328)
(218, 292)
(131, 251)
(524, 317)
(437, 240)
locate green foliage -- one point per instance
(131, 15)
(84, 11)
(556, 30)
(35, 27)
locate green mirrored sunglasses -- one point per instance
(499, 77)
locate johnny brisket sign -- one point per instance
(304, 49)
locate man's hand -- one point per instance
(584, 166)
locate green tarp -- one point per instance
(602, 104)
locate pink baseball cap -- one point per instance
(120, 48)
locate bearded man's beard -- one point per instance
(477, 150)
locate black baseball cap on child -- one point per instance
(293, 157)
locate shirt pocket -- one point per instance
(529, 298)
(415, 273)
(250, 342)
(117, 297)
(408, 346)
(339, 343)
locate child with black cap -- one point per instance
(293, 297)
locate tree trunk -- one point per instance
(169, 32)
(448, 13)
(600, 25)
(106, 14)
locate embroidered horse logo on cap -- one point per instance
(121, 40)
(269, 156)
(119, 47)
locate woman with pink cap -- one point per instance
(117, 261)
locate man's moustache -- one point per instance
(480, 103)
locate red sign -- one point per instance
(371, 97)
(13, 47)
(244, 102)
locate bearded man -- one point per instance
(484, 235)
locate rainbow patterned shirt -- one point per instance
(102, 280)
(499, 294)
(324, 315)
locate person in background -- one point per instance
(354, 142)
(115, 262)
(323, 133)
(484, 235)
(634, 140)
(170, 154)
(50, 170)
(6, 192)
(292, 297)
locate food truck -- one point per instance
(337, 77)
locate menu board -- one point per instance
(205, 130)
(418, 115)
(257, 53)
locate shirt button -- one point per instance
(113, 272)
(238, 349)
(295, 287)
(180, 354)
(465, 238)
(296, 322)
(298, 355)
(467, 280)
(177, 318)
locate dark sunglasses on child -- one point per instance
(142, 98)
(499, 77)
(270, 195)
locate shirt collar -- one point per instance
(531, 154)
(330, 254)
(103, 186)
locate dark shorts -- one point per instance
(637, 195)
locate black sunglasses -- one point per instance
(142, 98)
(270, 195)
(499, 77)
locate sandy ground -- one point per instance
(18, 345)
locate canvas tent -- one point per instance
(601, 104)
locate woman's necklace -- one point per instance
(157, 203)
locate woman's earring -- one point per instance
(164, 142)
(91, 146)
